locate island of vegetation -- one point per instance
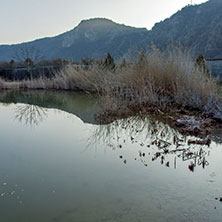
(162, 79)
(170, 83)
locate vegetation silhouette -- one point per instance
(30, 114)
(154, 140)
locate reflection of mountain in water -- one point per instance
(81, 105)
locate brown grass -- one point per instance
(156, 79)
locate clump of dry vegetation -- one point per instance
(158, 79)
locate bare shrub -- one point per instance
(161, 78)
(155, 79)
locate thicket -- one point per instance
(154, 79)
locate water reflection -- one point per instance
(155, 141)
(30, 114)
(46, 170)
(154, 138)
(33, 104)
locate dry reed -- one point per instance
(156, 78)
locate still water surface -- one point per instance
(58, 164)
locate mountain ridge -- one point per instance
(87, 35)
(196, 27)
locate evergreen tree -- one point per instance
(201, 64)
(109, 62)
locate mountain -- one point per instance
(197, 27)
(91, 38)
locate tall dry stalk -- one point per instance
(156, 78)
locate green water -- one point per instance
(58, 164)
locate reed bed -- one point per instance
(156, 78)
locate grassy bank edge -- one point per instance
(155, 81)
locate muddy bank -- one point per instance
(186, 122)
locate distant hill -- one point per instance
(91, 38)
(197, 27)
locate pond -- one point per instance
(58, 164)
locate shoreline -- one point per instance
(186, 121)
(168, 83)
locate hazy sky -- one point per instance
(26, 20)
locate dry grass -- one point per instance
(157, 78)
(164, 78)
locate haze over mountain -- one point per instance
(197, 27)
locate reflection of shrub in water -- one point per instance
(30, 114)
(136, 128)
(156, 141)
